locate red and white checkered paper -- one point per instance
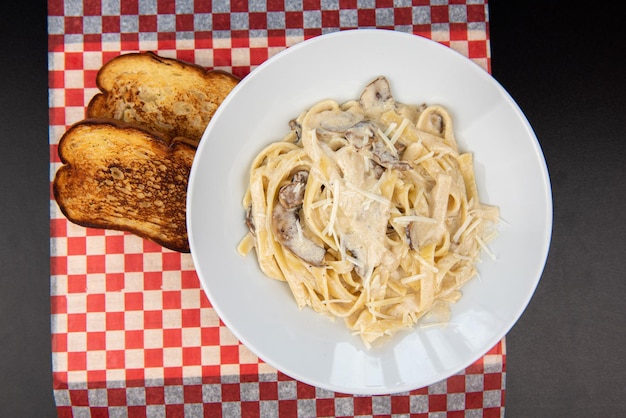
(133, 334)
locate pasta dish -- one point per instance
(369, 212)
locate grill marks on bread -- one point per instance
(124, 177)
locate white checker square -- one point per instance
(115, 340)
(172, 357)
(96, 321)
(96, 360)
(134, 359)
(153, 338)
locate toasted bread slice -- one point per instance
(173, 97)
(124, 177)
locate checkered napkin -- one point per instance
(132, 332)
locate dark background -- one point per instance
(564, 65)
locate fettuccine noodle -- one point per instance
(369, 212)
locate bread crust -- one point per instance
(170, 96)
(125, 177)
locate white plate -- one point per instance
(511, 173)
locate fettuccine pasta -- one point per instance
(369, 212)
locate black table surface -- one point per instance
(564, 65)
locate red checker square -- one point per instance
(305, 391)
(155, 395)
(210, 336)
(403, 16)
(133, 262)
(192, 356)
(96, 263)
(114, 244)
(129, 7)
(400, 405)
(56, 79)
(79, 397)
(222, 57)
(230, 392)
(110, 24)
(167, 42)
(275, 5)
(311, 5)
(58, 227)
(114, 282)
(95, 232)
(221, 21)
(362, 405)
(366, 17)
(477, 49)
(153, 357)
(115, 359)
(59, 343)
(439, 14)
(250, 409)
(492, 381)
(492, 412)
(456, 384)
(176, 410)
(171, 299)
(240, 38)
(64, 412)
(249, 372)
(73, 61)
(204, 301)
(133, 339)
(114, 321)
(58, 265)
(238, 6)
(172, 337)
(76, 361)
(384, 4)
(149, 246)
(58, 304)
(166, 7)
(293, 20)
(76, 322)
(57, 116)
(349, 4)
(473, 400)
(192, 393)
(99, 412)
(152, 320)
(229, 354)
(326, 407)
(257, 20)
(135, 378)
(137, 411)
(129, 41)
(456, 414)
(76, 283)
(276, 37)
(90, 75)
(73, 24)
(437, 402)
(133, 301)
(212, 410)
(96, 341)
(476, 13)
(458, 31)
(189, 280)
(190, 318)
(173, 376)
(258, 55)
(55, 8)
(96, 379)
(330, 18)
(152, 280)
(76, 245)
(288, 408)
(475, 368)
(184, 22)
(116, 396)
(211, 374)
(268, 390)
(147, 23)
(171, 261)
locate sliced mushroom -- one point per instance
(387, 158)
(376, 98)
(361, 134)
(286, 227)
(291, 195)
(296, 127)
(250, 221)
